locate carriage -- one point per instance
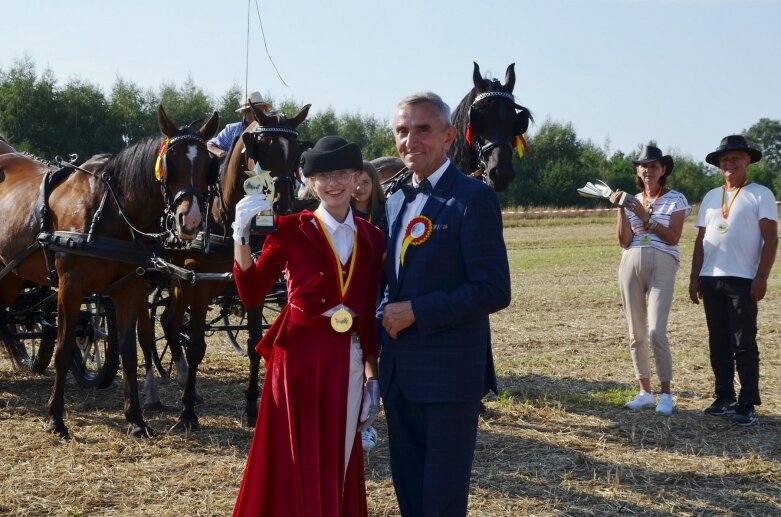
(488, 123)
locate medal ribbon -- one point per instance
(343, 284)
(724, 207)
(646, 226)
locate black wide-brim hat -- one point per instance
(651, 153)
(733, 143)
(331, 153)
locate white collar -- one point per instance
(433, 178)
(332, 224)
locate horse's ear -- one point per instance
(209, 129)
(249, 141)
(509, 78)
(300, 116)
(164, 123)
(477, 78)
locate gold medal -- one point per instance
(722, 227)
(645, 240)
(341, 320)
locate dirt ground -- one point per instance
(556, 441)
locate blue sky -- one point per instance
(682, 72)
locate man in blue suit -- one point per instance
(447, 271)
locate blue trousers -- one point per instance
(431, 451)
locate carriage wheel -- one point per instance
(234, 316)
(35, 340)
(96, 361)
(158, 313)
(157, 310)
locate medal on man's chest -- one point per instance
(645, 240)
(722, 227)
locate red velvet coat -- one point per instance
(296, 460)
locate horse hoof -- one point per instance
(141, 431)
(59, 429)
(185, 426)
(154, 406)
(249, 419)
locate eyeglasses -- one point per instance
(341, 177)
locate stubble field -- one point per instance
(556, 441)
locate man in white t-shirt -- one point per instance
(733, 254)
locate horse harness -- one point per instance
(222, 245)
(135, 251)
(473, 137)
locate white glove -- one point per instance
(370, 408)
(246, 210)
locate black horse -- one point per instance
(489, 126)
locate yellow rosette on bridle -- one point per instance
(417, 232)
(160, 171)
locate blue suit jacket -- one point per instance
(454, 280)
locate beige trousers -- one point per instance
(646, 277)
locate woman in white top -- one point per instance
(649, 228)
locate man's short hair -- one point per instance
(431, 98)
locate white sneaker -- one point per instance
(665, 405)
(369, 439)
(641, 401)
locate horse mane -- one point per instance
(460, 153)
(132, 169)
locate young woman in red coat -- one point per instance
(320, 354)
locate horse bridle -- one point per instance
(172, 201)
(259, 130)
(484, 149)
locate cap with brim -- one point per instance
(651, 153)
(733, 143)
(254, 98)
(331, 153)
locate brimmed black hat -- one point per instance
(651, 153)
(331, 153)
(733, 143)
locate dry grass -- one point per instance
(555, 442)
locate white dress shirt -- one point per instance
(342, 234)
(414, 208)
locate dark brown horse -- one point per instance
(111, 203)
(488, 121)
(271, 142)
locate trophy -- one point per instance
(600, 190)
(261, 182)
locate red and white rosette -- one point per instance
(417, 232)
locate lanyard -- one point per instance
(343, 284)
(651, 209)
(725, 208)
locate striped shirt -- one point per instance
(668, 203)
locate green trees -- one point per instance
(42, 117)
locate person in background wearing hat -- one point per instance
(649, 228)
(733, 254)
(447, 271)
(222, 141)
(320, 354)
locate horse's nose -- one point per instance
(191, 220)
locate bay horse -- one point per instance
(489, 126)
(270, 142)
(107, 209)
